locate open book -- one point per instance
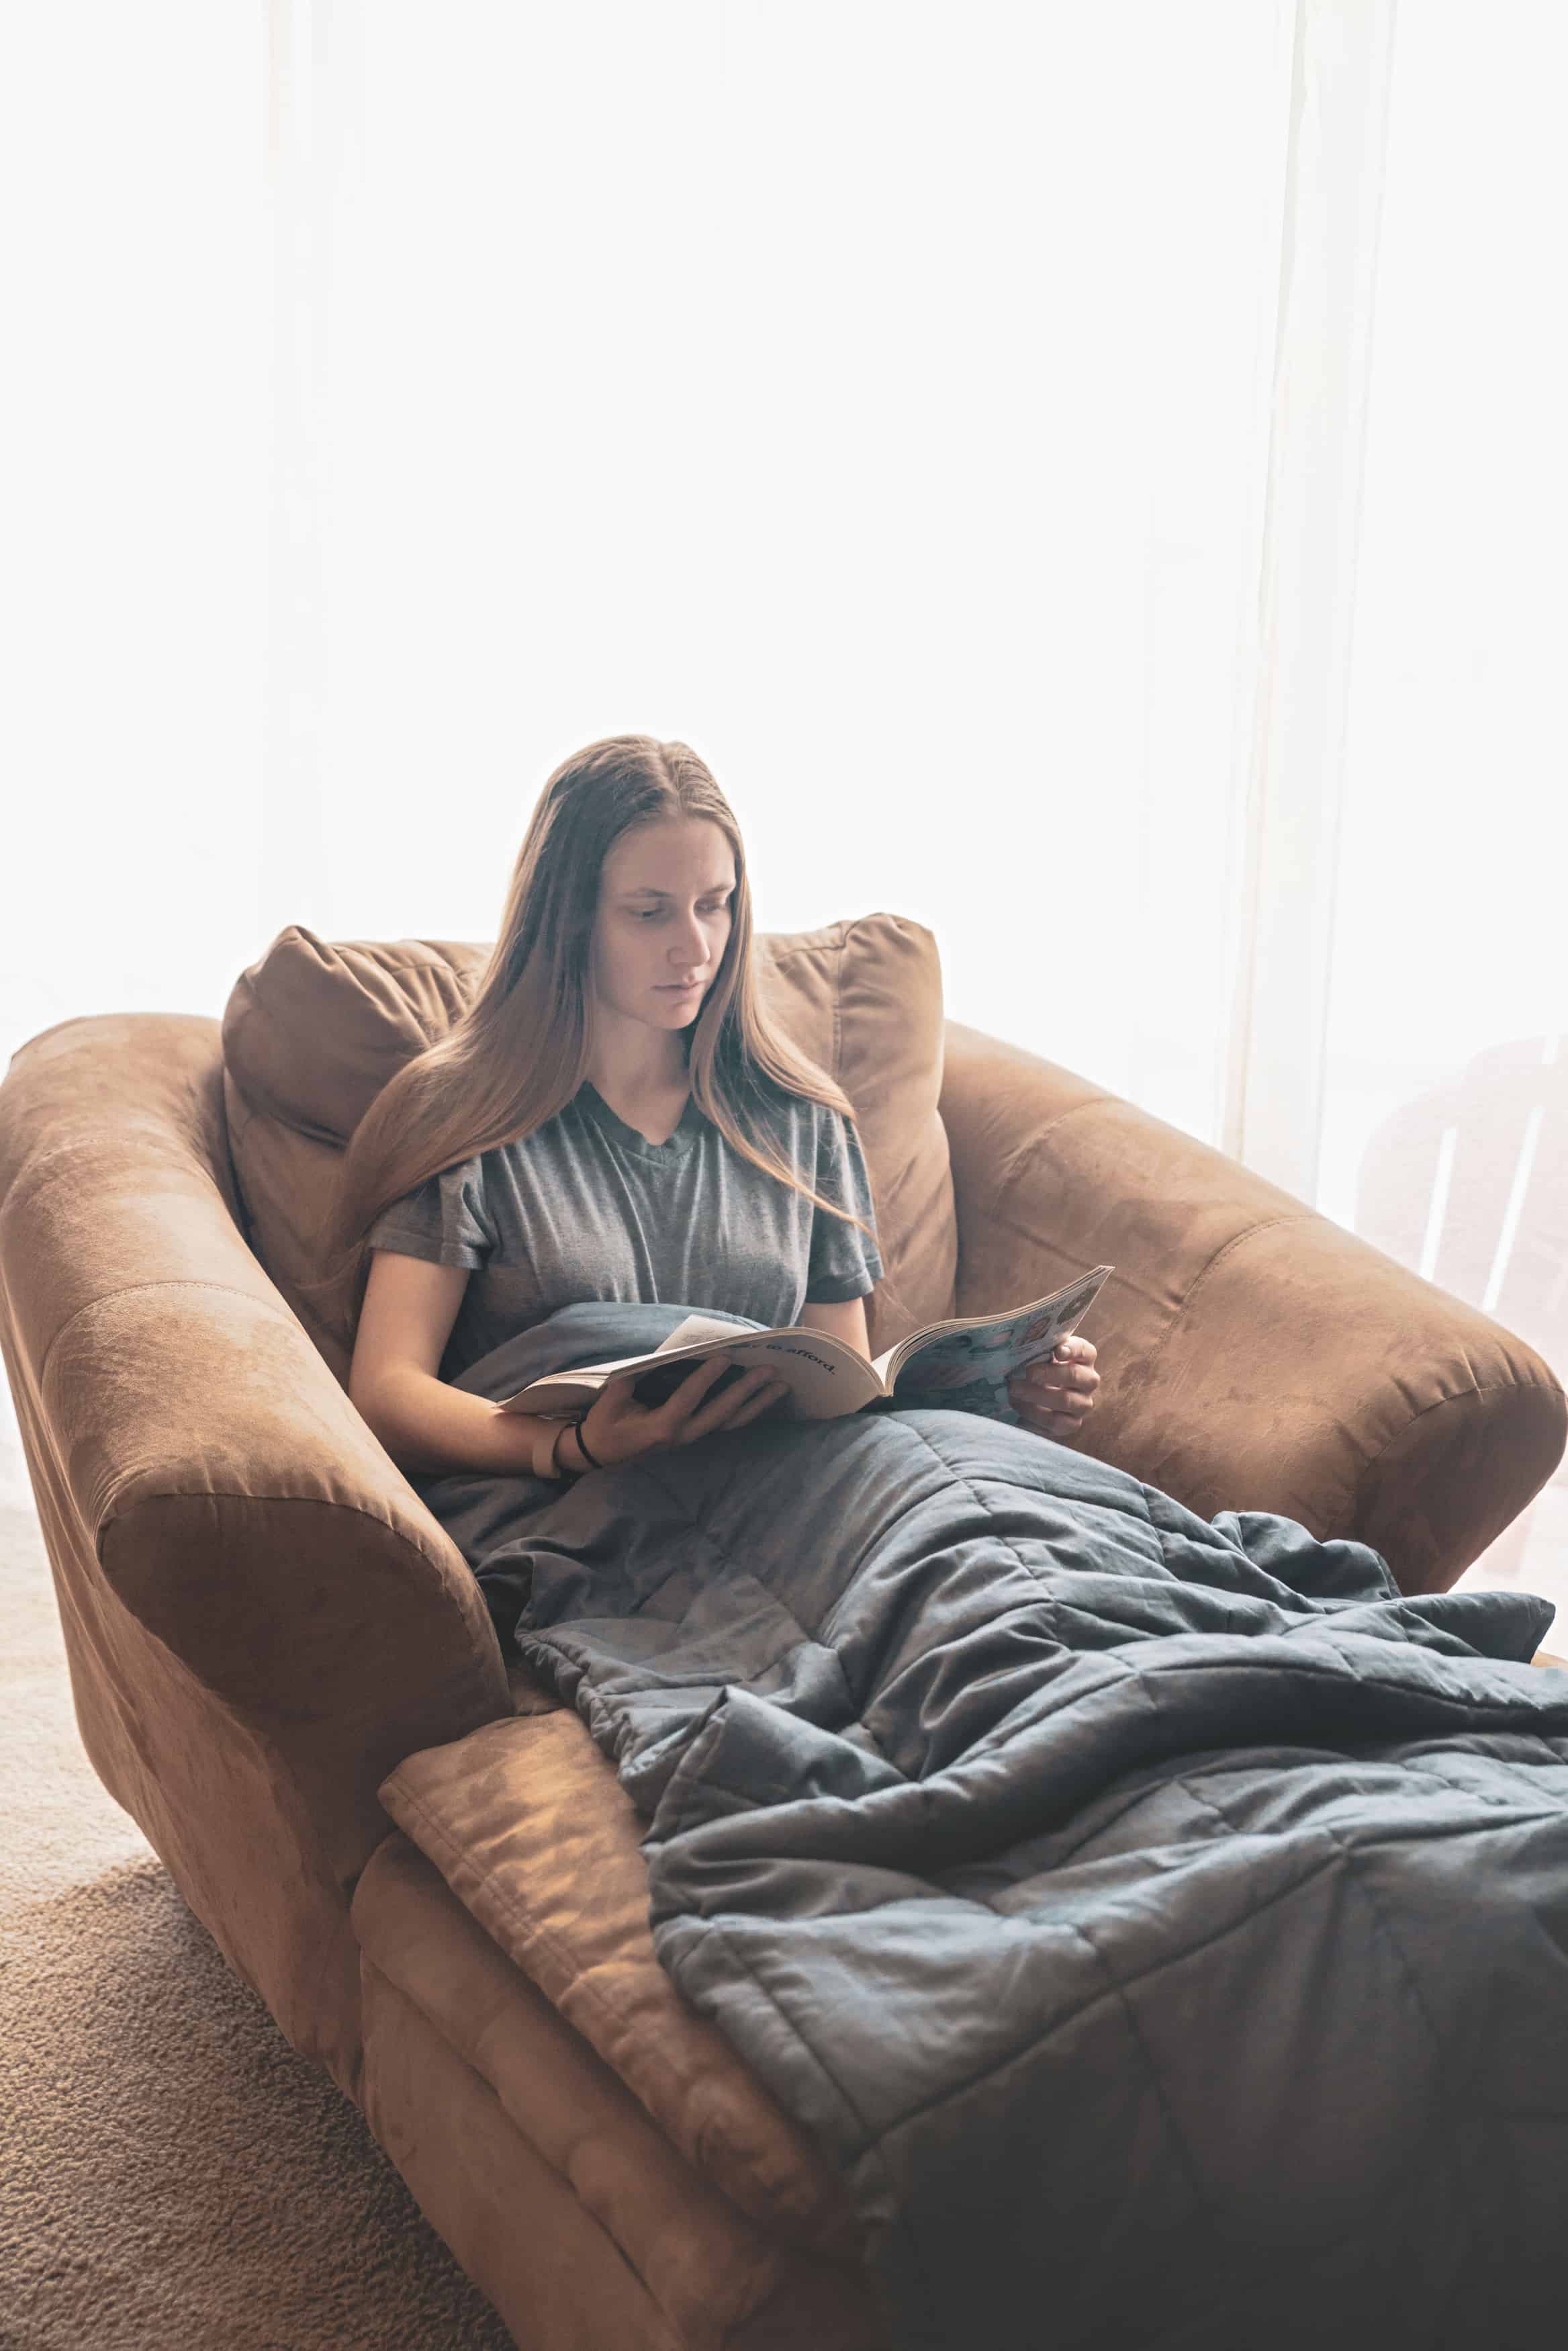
(963, 1364)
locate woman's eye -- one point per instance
(652, 913)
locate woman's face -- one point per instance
(662, 920)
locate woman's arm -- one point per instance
(846, 1321)
(427, 1426)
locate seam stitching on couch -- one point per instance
(174, 1281)
(531, 1935)
(1462, 1396)
(425, 962)
(214, 1494)
(244, 1711)
(302, 1501)
(1264, 1225)
(829, 947)
(610, 2236)
(1014, 1163)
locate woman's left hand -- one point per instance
(1052, 1396)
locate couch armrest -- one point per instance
(1253, 1355)
(234, 1500)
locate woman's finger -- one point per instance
(1075, 1351)
(687, 1397)
(755, 1407)
(1060, 1380)
(1050, 1417)
(1073, 1374)
(717, 1411)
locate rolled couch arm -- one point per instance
(1253, 1355)
(197, 1462)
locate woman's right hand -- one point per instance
(618, 1428)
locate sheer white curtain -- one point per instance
(1089, 478)
(132, 503)
(876, 397)
(1445, 1128)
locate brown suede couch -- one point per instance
(283, 1669)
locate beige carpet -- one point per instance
(172, 2176)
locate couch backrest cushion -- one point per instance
(315, 1030)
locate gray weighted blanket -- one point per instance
(1162, 1922)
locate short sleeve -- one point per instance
(443, 1221)
(844, 1263)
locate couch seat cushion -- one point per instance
(530, 1828)
(718, 2279)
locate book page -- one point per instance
(697, 1328)
(824, 1376)
(967, 1365)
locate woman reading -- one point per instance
(616, 1118)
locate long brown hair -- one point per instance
(519, 1052)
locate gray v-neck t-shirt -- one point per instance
(587, 1207)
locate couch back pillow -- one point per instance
(315, 1030)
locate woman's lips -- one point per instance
(693, 987)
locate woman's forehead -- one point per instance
(670, 856)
